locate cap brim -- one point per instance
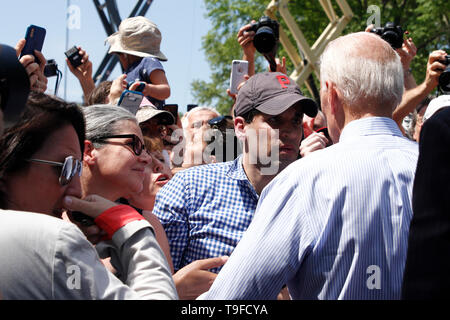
(159, 55)
(165, 116)
(116, 47)
(281, 103)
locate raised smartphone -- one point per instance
(34, 37)
(239, 68)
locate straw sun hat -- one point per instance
(137, 36)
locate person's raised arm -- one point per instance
(412, 98)
(83, 73)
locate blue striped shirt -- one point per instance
(333, 225)
(205, 210)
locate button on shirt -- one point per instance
(333, 225)
(205, 210)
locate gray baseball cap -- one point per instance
(272, 93)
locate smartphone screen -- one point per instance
(34, 40)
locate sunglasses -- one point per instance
(70, 168)
(135, 144)
(216, 122)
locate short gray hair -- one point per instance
(362, 71)
(184, 120)
(103, 120)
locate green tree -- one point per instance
(427, 21)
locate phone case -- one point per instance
(239, 68)
(35, 37)
(131, 100)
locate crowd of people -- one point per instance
(281, 199)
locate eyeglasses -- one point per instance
(136, 144)
(70, 168)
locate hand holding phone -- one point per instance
(34, 38)
(74, 56)
(239, 68)
(131, 100)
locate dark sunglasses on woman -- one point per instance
(135, 144)
(70, 167)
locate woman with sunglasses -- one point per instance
(116, 166)
(48, 258)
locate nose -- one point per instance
(74, 187)
(157, 166)
(145, 158)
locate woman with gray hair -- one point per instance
(115, 164)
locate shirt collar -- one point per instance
(236, 170)
(370, 126)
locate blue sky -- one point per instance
(181, 22)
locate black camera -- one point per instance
(51, 68)
(444, 78)
(266, 34)
(74, 56)
(390, 33)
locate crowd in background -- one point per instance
(280, 199)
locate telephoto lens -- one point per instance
(266, 34)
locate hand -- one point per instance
(313, 142)
(34, 69)
(195, 279)
(92, 205)
(83, 71)
(93, 233)
(434, 68)
(281, 67)
(117, 87)
(369, 27)
(136, 84)
(407, 52)
(234, 95)
(245, 39)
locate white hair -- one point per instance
(184, 120)
(364, 68)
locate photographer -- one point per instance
(245, 38)
(412, 97)
(64, 264)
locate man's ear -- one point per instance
(89, 152)
(333, 98)
(239, 128)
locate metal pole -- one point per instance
(67, 45)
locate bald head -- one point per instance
(366, 71)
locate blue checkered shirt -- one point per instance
(205, 211)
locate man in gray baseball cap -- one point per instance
(272, 93)
(220, 198)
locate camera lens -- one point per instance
(264, 40)
(444, 80)
(393, 39)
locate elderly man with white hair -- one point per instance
(334, 225)
(195, 126)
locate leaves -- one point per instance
(427, 21)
